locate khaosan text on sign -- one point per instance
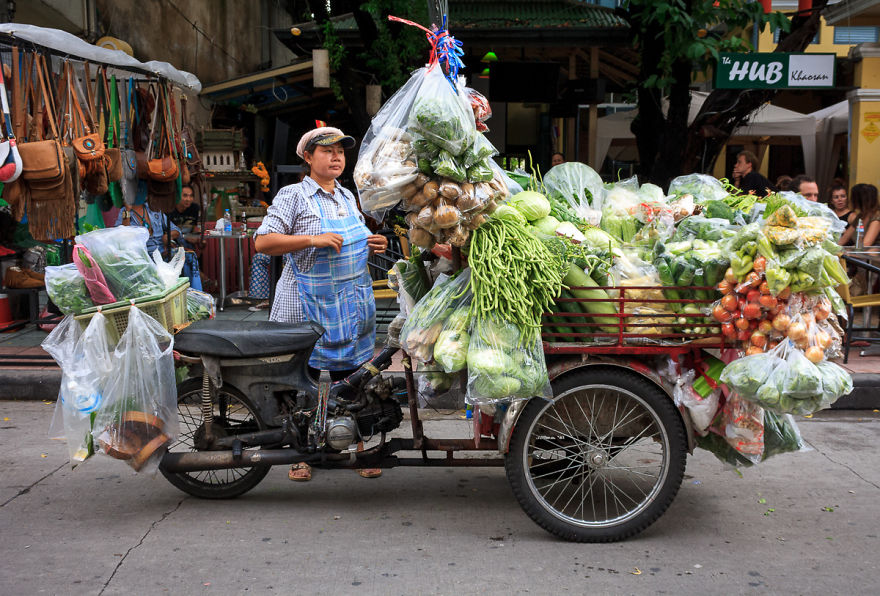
(775, 71)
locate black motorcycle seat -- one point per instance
(243, 339)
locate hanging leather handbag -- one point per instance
(162, 168)
(162, 196)
(88, 145)
(51, 202)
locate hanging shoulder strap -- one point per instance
(113, 137)
(18, 100)
(7, 117)
(40, 63)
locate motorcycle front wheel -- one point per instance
(233, 414)
(602, 460)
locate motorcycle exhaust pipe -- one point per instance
(197, 461)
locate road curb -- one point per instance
(44, 383)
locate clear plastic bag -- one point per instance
(67, 289)
(199, 306)
(169, 272)
(121, 253)
(425, 322)
(92, 275)
(441, 114)
(701, 409)
(743, 424)
(577, 184)
(701, 186)
(481, 108)
(505, 363)
(87, 364)
(138, 417)
(451, 348)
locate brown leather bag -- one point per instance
(113, 162)
(162, 168)
(89, 146)
(162, 196)
(51, 199)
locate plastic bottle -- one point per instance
(860, 233)
(227, 222)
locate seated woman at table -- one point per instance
(156, 223)
(865, 211)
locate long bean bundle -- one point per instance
(513, 275)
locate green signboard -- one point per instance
(774, 71)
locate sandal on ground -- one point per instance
(258, 307)
(301, 472)
(369, 472)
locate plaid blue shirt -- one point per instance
(291, 214)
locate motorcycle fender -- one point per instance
(508, 422)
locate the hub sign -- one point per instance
(774, 71)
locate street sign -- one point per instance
(774, 71)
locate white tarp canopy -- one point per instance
(768, 120)
(830, 122)
(64, 42)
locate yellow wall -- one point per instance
(826, 43)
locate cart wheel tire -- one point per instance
(240, 417)
(601, 461)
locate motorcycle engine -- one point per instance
(381, 414)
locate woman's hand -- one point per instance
(377, 243)
(327, 240)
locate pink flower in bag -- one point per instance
(99, 290)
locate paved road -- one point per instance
(800, 524)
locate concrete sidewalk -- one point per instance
(27, 372)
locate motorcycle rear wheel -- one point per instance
(234, 413)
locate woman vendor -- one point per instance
(318, 228)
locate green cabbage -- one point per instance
(574, 182)
(510, 214)
(533, 205)
(652, 193)
(599, 239)
(496, 387)
(451, 350)
(488, 361)
(547, 225)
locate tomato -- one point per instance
(752, 311)
(765, 327)
(753, 279)
(742, 324)
(772, 344)
(758, 339)
(764, 288)
(743, 335)
(741, 302)
(729, 277)
(753, 296)
(797, 331)
(823, 339)
(729, 302)
(815, 354)
(728, 330)
(822, 311)
(767, 301)
(754, 350)
(721, 314)
(725, 287)
(760, 264)
(781, 322)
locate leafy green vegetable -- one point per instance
(532, 205)
(506, 212)
(451, 350)
(446, 165)
(491, 362)
(67, 289)
(547, 225)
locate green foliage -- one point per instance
(686, 30)
(392, 56)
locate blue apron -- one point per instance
(337, 293)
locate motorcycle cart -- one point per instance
(600, 461)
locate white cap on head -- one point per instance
(326, 135)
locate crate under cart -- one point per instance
(169, 308)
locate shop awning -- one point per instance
(269, 91)
(67, 44)
(853, 13)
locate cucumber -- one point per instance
(559, 322)
(576, 277)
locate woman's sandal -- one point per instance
(369, 472)
(301, 472)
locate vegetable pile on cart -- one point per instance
(730, 298)
(118, 389)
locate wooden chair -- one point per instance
(854, 302)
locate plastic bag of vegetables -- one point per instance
(579, 187)
(426, 321)
(121, 254)
(199, 305)
(781, 435)
(67, 289)
(619, 207)
(505, 363)
(701, 186)
(441, 115)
